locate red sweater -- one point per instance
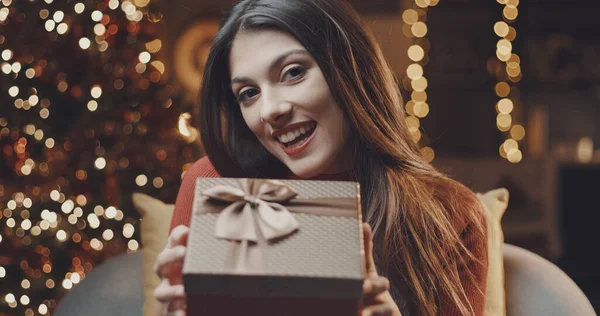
(203, 168)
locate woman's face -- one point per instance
(286, 102)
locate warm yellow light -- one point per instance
(93, 220)
(85, 43)
(159, 66)
(92, 106)
(513, 69)
(13, 91)
(421, 109)
(96, 244)
(67, 284)
(154, 46)
(510, 13)
(99, 29)
(510, 144)
(97, 16)
(419, 29)
(7, 54)
(61, 235)
(505, 106)
(24, 300)
(517, 132)
(133, 245)
(504, 47)
(58, 16)
(49, 25)
(504, 121)
(75, 277)
(422, 3)
(416, 136)
(128, 230)
(419, 96)
(416, 53)
(9, 298)
(79, 7)
(412, 123)
(515, 156)
(419, 84)
(502, 57)
(108, 234)
(141, 3)
(414, 71)
(49, 143)
(43, 309)
(512, 3)
(512, 34)
(410, 16)
(96, 92)
(502, 89)
(100, 163)
(585, 149)
(110, 212)
(144, 57)
(501, 28)
(141, 180)
(113, 4)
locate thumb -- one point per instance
(368, 243)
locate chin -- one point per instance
(303, 172)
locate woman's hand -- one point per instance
(170, 292)
(376, 299)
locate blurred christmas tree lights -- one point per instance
(86, 119)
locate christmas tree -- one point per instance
(86, 119)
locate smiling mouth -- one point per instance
(300, 140)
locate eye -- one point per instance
(294, 73)
(247, 94)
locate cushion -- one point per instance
(495, 203)
(156, 221)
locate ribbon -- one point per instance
(255, 214)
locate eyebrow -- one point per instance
(274, 64)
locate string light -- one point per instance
(417, 107)
(508, 77)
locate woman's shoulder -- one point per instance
(203, 168)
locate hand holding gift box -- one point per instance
(260, 247)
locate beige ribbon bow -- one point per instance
(255, 211)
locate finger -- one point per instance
(167, 256)
(176, 313)
(368, 240)
(178, 304)
(166, 293)
(178, 236)
(376, 285)
(385, 309)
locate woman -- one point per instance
(301, 90)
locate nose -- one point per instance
(275, 111)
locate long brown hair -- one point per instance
(412, 207)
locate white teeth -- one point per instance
(286, 138)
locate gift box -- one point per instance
(274, 247)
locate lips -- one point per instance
(293, 151)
